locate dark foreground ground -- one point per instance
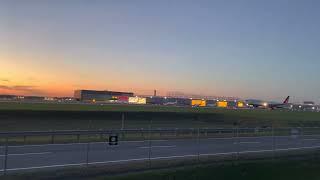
(283, 170)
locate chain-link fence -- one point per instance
(150, 147)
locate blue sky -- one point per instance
(248, 48)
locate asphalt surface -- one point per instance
(33, 157)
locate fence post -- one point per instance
(122, 121)
(198, 144)
(123, 135)
(78, 138)
(52, 139)
(238, 141)
(5, 157)
(87, 153)
(301, 134)
(235, 137)
(273, 142)
(142, 134)
(149, 153)
(24, 139)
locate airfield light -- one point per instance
(265, 104)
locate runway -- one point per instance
(33, 157)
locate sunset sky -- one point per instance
(264, 49)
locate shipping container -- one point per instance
(222, 104)
(240, 104)
(198, 102)
(137, 100)
(155, 100)
(123, 99)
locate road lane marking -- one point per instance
(160, 140)
(28, 154)
(250, 142)
(258, 151)
(147, 147)
(249, 137)
(92, 143)
(218, 154)
(42, 145)
(95, 163)
(310, 139)
(283, 149)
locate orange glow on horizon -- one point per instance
(40, 75)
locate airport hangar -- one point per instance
(92, 95)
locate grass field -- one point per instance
(97, 107)
(40, 116)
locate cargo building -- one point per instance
(93, 96)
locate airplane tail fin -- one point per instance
(287, 100)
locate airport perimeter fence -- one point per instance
(136, 148)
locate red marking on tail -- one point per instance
(286, 101)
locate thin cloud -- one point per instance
(5, 80)
(32, 89)
(31, 79)
(5, 87)
(17, 88)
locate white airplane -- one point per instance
(271, 105)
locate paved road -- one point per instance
(63, 155)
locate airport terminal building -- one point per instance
(92, 95)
